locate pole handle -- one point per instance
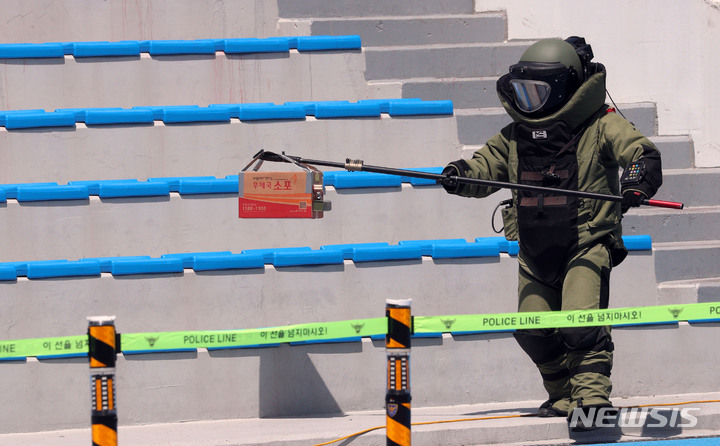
(663, 204)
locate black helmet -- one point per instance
(548, 74)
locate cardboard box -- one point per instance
(276, 195)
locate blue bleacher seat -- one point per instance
(318, 43)
(252, 45)
(54, 192)
(410, 108)
(103, 49)
(81, 113)
(311, 106)
(196, 114)
(426, 246)
(106, 262)
(11, 190)
(391, 252)
(229, 261)
(278, 257)
(169, 47)
(346, 110)
(190, 186)
(637, 242)
(17, 119)
(7, 272)
(31, 119)
(121, 116)
(350, 180)
(313, 257)
(115, 189)
(127, 266)
(47, 269)
(188, 258)
(347, 249)
(258, 112)
(453, 251)
(269, 254)
(31, 50)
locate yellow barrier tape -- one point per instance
(314, 332)
(58, 346)
(555, 319)
(334, 331)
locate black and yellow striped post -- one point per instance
(102, 352)
(397, 348)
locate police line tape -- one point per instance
(65, 346)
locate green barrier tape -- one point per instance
(58, 346)
(184, 340)
(556, 319)
(333, 331)
(315, 332)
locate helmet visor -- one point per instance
(530, 95)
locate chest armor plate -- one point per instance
(547, 222)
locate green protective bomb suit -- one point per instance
(568, 245)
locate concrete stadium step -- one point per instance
(687, 260)
(301, 379)
(475, 126)
(442, 61)
(203, 223)
(257, 297)
(669, 225)
(181, 80)
(478, 92)
(372, 8)
(689, 291)
(452, 425)
(677, 151)
(412, 30)
(219, 149)
(694, 187)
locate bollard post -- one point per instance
(397, 349)
(102, 352)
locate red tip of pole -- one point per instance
(664, 204)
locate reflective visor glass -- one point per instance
(530, 95)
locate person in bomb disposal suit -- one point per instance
(564, 136)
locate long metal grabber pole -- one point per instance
(359, 165)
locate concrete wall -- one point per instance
(658, 51)
(36, 21)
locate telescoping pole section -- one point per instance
(397, 347)
(102, 353)
(360, 166)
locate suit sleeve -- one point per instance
(490, 162)
(622, 142)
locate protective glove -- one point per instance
(450, 185)
(631, 199)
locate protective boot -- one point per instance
(556, 380)
(589, 361)
(588, 418)
(546, 349)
